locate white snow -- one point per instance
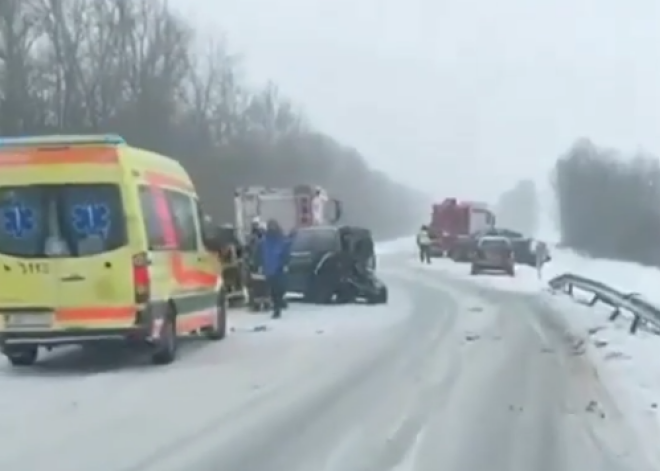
(525, 280)
(305, 320)
(395, 246)
(628, 365)
(623, 276)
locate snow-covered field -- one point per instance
(629, 365)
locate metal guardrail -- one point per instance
(642, 310)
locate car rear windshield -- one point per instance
(66, 220)
(309, 240)
(494, 244)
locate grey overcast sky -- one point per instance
(458, 97)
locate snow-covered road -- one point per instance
(452, 376)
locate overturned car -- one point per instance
(334, 264)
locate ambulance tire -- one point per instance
(165, 350)
(218, 330)
(22, 356)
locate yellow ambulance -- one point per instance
(101, 241)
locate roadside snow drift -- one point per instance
(628, 365)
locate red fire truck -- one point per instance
(453, 219)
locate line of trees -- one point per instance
(609, 204)
(130, 67)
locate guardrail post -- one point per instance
(569, 289)
(635, 324)
(593, 300)
(616, 313)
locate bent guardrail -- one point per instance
(641, 309)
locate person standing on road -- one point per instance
(542, 256)
(274, 248)
(424, 245)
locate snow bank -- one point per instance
(623, 276)
(628, 365)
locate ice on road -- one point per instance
(450, 375)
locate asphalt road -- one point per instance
(471, 379)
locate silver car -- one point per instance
(493, 253)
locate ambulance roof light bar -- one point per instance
(62, 140)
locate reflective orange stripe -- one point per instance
(121, 313)
(158, 179)
(71, 155)
(190, 277)
(164, 216)
(184, 276)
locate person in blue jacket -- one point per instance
(274, 249)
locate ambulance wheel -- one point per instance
(165, 349)
(22, 356)
(218, 329)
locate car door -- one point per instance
(28, 277)
(161, 239)
(93, 258)
(208, 265)
(191, 267)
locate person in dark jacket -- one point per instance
(274, 249)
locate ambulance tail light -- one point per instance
(141, 278)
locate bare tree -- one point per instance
(19, 31)
(609, 206)
(132, 67)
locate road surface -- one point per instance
(467, 379)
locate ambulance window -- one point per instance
(153, 224)
(91, 217)
(80, 219)
(24, 227)
(185, 221)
